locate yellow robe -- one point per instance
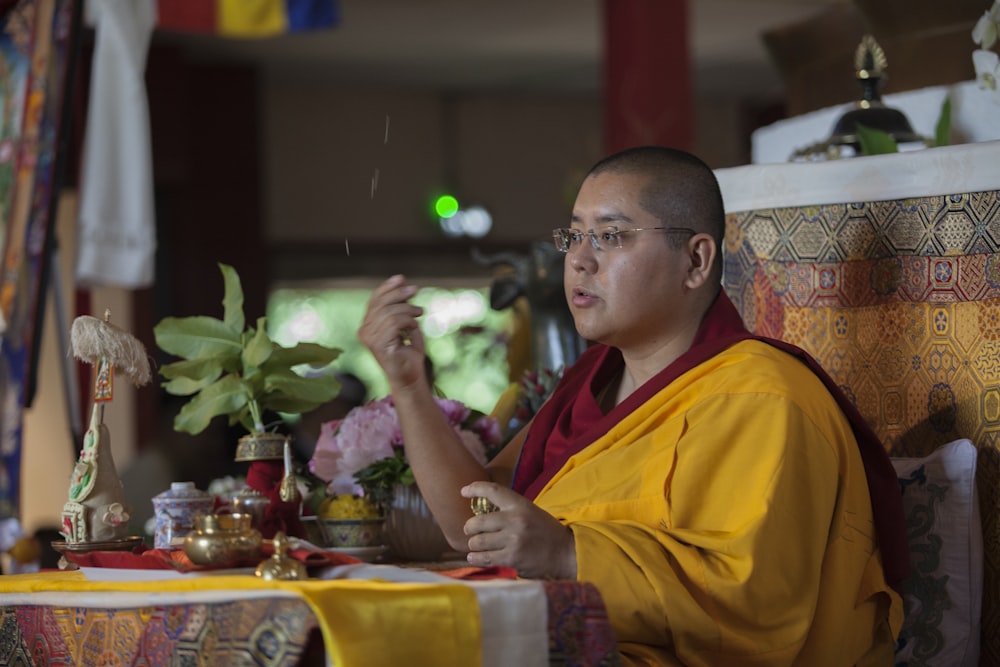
(727, 521)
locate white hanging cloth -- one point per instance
(116, 242)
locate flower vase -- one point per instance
(411, 531)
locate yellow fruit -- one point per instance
(25, 550)
(347, 507)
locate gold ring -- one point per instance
(481, 505)
(405, 337)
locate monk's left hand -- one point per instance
(519, 534)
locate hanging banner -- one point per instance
(35, 38)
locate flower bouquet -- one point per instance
(362, 454)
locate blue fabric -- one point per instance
(312, 14)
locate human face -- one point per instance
(631, 296)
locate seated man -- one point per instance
(730, 505)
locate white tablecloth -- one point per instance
(927, 172)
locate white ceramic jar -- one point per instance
(175, 511)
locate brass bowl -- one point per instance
(223, 523)
(223, 539)
(261, 447)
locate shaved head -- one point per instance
(681, 190)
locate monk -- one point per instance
(729, 503)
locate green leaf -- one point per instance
(287, 391)
(232, 302)
(302, 353)
(379, 479)
(258, 349)
(187, 377)
(225, 396)
(194, 369)
(942, 131)
(232, 369)
(197, 337)
(875, 142)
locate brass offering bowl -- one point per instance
(223, 539)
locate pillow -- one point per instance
(942, 598)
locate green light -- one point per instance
(445, 206)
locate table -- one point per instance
(357, 615)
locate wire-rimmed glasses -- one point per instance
(605, 238)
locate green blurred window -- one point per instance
(466, 339)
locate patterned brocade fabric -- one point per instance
(245, 632)
(900, 302)
(264, 631)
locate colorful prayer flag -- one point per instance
(247, 18)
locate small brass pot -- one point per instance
(223, 539)
(249, 501)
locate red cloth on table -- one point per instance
(176, 559)
(481, 573)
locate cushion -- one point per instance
(942, 597)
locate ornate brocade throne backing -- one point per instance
(897, 297)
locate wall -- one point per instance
(277, 174)
(522, 156)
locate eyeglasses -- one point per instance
(606, 238)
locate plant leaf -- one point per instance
(942, 131)
(225, 396)
(258, 349)
(303, 353)
(197, 337)
(192, 369)
(187, 377)
(287, 391)
(232, 302)
(875, 142)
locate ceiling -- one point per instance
(529, 45)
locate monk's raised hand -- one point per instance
(518, 534)
(390, 330)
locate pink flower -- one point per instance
(366, 435)
(488, 430)
(371, 433)
(455, 411)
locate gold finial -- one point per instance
(869, 59)
(280, 566)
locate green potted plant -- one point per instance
(232, 369)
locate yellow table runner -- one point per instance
(364, 622)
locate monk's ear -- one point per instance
(702, 252)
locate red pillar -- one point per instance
(648, 96)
